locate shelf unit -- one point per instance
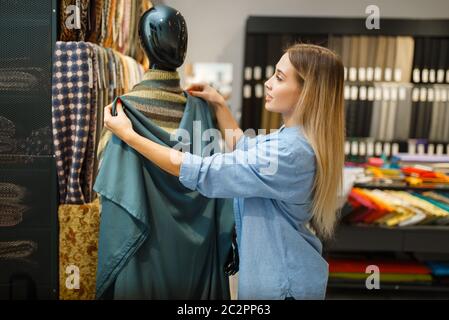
(350, 238)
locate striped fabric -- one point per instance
(159, 97)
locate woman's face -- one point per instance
(282, 89)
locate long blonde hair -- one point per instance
(320, 112)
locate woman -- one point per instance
(280, 191)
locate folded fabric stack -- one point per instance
(389, 271)
(397, 208)
(410, 175)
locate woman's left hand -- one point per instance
(120, 125)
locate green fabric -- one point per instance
(158, 239)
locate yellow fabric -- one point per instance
(78, 246)
(384, 277)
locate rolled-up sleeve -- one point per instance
(268, 170)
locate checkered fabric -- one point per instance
(71, 116)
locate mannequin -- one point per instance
(159, 240)
(163, 36)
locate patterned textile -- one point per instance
(11, 214)
(10, 192)
(159, 97)
(20, 249)
(38, 143)
(78, 245)
(96, 9)
(71, 117)
(21, 80)
(88, 165)
(67, 20)
(7, 127)
(7, 133)
(7, 145)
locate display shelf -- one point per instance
(389, 286)
(362, 238)
(401, 187)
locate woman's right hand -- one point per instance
(206, 92)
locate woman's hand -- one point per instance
(206, 92)
(119, 125)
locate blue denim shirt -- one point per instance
(270, 178)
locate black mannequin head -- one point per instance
(163, 35)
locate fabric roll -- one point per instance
(414, 112)
(418, 59)
(404, 58)
(403, 114)
(368, 112)
(354, 58)
(427, 59)
(381, 56)
(371, 58)
(446, 118)
(437, 115)
(336, 44)
(390, 59)
(384, 112)
(443, 61)
(352, 110)
(363, 57)
(375, 120)
(392, 112)
(426, 115)
(434, 56)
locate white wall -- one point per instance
(217, 28)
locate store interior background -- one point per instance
(219, 35)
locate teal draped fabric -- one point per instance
(158, 239)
